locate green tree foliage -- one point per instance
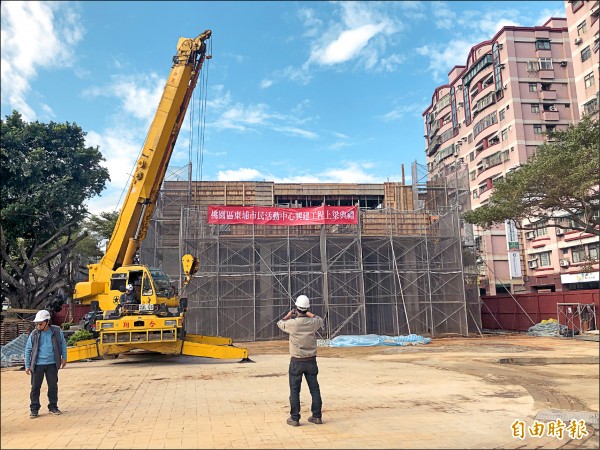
(47, 174)
(561, 179)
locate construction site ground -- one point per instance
(450, 393)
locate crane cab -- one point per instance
(151, 286)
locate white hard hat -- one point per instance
(42, 316)
(302, 302)
(129, 287)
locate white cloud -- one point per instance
(256, 117)
(293, 131)
(348, 44)
(34, 36)
(362, 31)
(415, 109)
(444, 17)
(139, 94)
(242, 174)
(347, 172)
(442, 57)
(266, 83)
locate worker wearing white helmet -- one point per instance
(128, 297)
(45, 353)
(302, 328)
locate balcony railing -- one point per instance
(548, 95)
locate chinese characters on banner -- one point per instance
(261, 215)
(512, 244)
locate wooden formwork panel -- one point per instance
(11, 329)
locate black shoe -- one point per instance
(316, 420)
(55, 411)
(293, 422)
(33, 414)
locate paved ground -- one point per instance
(452, 393)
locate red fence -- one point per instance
(502, 312)
(62, 316)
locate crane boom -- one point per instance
(138, 207)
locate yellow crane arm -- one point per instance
(138, 207)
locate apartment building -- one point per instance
(491, 116)
(584, 38)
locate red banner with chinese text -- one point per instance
(262, 215)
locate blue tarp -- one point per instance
(371, 340)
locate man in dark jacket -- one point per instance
(303, 361)
(45, 353)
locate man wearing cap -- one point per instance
(45, 353)
(303, 352)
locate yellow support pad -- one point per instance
(213, 351)
(211, 340)
(82, 351)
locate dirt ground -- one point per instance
(450, 393)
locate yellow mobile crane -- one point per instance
(154, 324)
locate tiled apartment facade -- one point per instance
(584, 38)
(491, 116)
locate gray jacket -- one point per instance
(57, 338)
(302, 330)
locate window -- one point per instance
(504, 135)
(542, 44)
(582, 28)
(589, 80)
(545, 63)
(532, 87)
(578, 254)
(470, 138)
(542, 228)
(590, 107)
(535, 108)
(533, 66)
(575, 5)
(473, 175)
(475, 193)
(586, 54)
(544, 259)
(537, 129)
(502, 114)
(471, 156)
(550, 128)
(546, 86)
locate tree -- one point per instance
(47, 174)
(560, 180)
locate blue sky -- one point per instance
(295, 92)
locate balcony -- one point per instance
(548, 95)
(546, 73)
(550, 115)
(435, 144)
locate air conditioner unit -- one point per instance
(578, 41)
(502, 66)
(564, 263)
(500, 46)
(530, 235)
(563, 64)
(553, 108)
(560, 231)
(506, 86)
(533, 263)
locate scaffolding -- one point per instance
(396, 272)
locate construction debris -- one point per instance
(549, 327)
(371, 340)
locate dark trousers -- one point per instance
(37, 377)
(310, 370)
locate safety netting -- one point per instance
(13, 353)
(372, 340)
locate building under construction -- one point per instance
(402, 269)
